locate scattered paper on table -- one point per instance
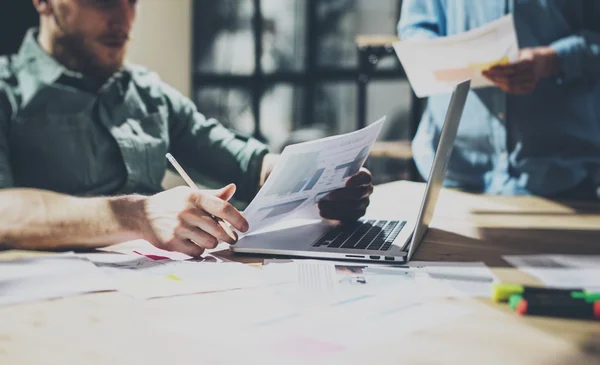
(305, 173)
(144, 248)
(436, 65)
(145, 278)
(473, 279)
(50, 277)
(566, 271)
(420, 279)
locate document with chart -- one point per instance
(436, 65)
(306, 172)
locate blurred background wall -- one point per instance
(162, 41)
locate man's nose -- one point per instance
(122, 14)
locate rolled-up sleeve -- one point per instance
(421, 19)
(6, 176)
(212, 150)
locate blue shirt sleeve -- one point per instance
(421, 19)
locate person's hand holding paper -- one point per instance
(522, 76)
(318, 179)
(345, 204)
(350, 202)
(434, 66)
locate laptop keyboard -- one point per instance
(362, 235)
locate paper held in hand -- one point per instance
(435, 66)
(305, 173)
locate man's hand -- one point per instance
(350, 202)
(522, 76)
(180, 219)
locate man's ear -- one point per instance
(43, 7)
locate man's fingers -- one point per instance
(225, 193)
(356, 193)
(512, 69)
(520, 84)
(524, 89)
(184, 246)
(222, 209)
(363, 177)
(207, 224)
(518, 88)
(195, 234)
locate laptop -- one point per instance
(368, 239)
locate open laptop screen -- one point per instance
(440, 163)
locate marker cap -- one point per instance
(521, 307)
(501, 292)
(514, 300)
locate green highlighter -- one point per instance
(503, 292)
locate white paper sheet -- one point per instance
(145, 278)
(305, 173)
(49, 277)
(435, 66)
(343, 281)
(563, 271)
(145, 248)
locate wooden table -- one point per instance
(113, 328)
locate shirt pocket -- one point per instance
(152, 136)
(53, 152)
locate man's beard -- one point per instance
(76, 53)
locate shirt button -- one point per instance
(500, 116)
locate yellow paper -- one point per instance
(482, 66)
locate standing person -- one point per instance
(538, 131)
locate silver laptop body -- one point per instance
(386, 240)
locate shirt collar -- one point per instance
(46, 67)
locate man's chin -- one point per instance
(107, 66)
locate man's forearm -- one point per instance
(36, 219)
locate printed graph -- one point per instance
(305, 185)
(353, 166)
(282, 208)
(299, 174)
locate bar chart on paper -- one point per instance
(282, 208)
(352, 167)
(300, 174)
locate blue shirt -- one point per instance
(542, 143)
(60, 131)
